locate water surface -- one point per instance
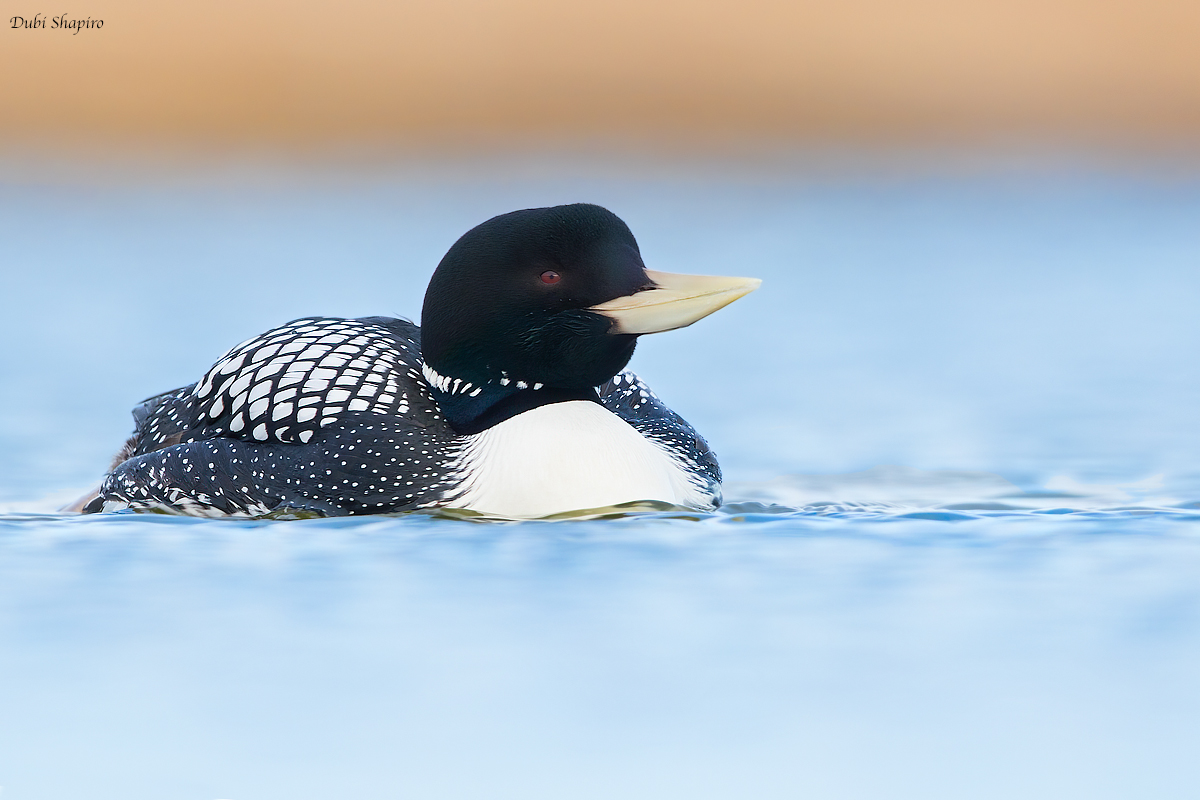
(960, 554)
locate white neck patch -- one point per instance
(566, 457)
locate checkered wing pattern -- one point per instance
(286, 384)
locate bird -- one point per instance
(510, 400)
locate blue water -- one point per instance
(960, 558)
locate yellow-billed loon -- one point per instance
(511, 399)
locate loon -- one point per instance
(511, 399)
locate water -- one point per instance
(960, 555)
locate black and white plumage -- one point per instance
(523, 408)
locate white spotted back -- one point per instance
(287, 383)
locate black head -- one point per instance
(507, 312)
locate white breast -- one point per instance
(566, 457)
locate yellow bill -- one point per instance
(676, 301)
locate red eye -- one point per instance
(550, 276)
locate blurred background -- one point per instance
(957, 206)
(958, 422)
(323, 79)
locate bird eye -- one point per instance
(550, 276)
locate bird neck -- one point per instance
(474, 406)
